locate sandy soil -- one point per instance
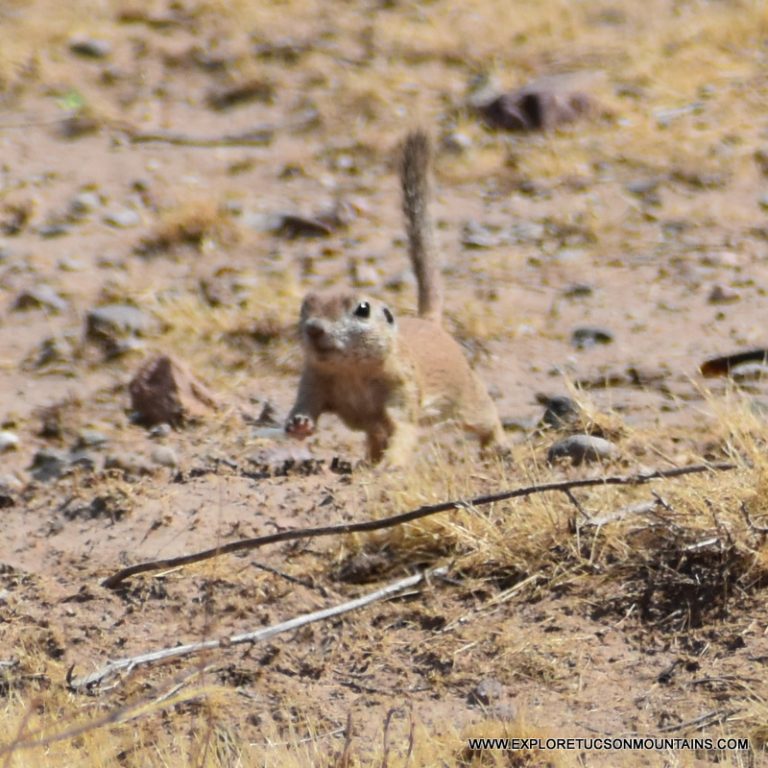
(669, 245)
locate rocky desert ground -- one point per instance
(174, 176)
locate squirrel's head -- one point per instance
(343, 326)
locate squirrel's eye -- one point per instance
(363, 309)
(390, 317)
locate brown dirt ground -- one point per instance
(570, 658)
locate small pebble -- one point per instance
(456, 142)
(40, 297)
(585, 338)
(578, 291)
(160, 431)
(90, 438)
(582, 448)
(90, 47)
(84, 204)
(48, 464)
(477, 235)
(560, 411)
(128, 463)
(486, 692)
(123, 218)
(9, 441)
(722, 295)
(165, 456)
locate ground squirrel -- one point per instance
(384, 376)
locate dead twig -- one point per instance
(115, 668)
(708, 718)
(388, 522)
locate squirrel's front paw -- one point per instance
(300, 426)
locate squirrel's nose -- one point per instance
(313, 329)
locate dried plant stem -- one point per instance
(389, 522)
(126, 665)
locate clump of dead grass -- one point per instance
(197, 223)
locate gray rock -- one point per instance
(90, 438)
(54, 229)
(585, 338)
(486, 692)
(527, 232)
(160, 431)
(90, 47)
(129, 463)
(83, 459)
(49, 464)
(721, 294)
(582, 448)
(578, 291)
(568, 255)
(456, 142)
(165, 456)
(560, 411)
(115, 327)
(40, 297)
(84, 204)
(477, 235)
(123, 218)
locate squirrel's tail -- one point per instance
(414, 179)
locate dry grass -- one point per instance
(682, 97)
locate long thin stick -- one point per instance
(113, 668)
(388, 522)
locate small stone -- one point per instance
(456, 142)
(115, 326)
(90, 438)
(123, 218)
(40, 297)
(560, 411)
(10, 483)
(49, 464)
(83, 459)
(54, 229)
(486, 692)
(585, 338)
(128, 463)
(165, 391)
(84, 204)
(159, 431)
(644, 187)
(90, 47)
(720, 294)
(578, 291)
(527, 232)
(9, 441)
(165, 456)
(582, 448)
(568, 255)
(477, 235)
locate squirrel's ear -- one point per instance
(390, 317)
